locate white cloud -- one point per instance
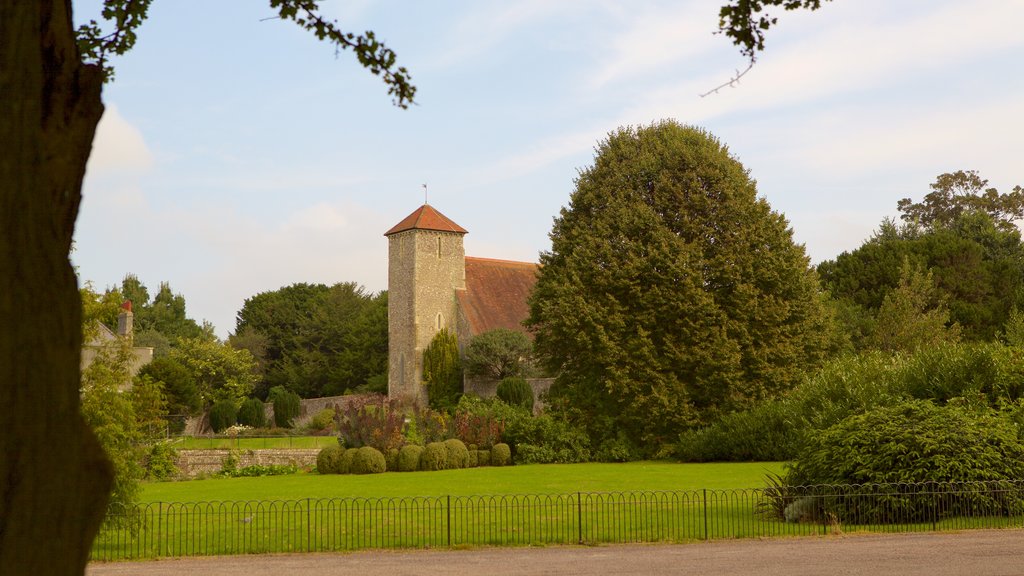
(118, 146)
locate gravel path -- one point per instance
(975, 552)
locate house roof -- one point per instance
(426, 217)
(496, 293)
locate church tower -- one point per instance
(426, 265)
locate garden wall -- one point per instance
(193, 463)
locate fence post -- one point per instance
(449, 507)
(309, 525)
(705, 514)
(579, 517)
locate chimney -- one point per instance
(125, 320)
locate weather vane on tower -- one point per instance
(425, 194)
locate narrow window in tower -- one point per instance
(439, 321)
(439, 246)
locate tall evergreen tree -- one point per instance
(671, 293)
(442, 371)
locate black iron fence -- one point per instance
(312, 525)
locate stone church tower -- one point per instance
(426, 266)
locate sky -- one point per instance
(238, 154)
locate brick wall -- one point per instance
(193, 463)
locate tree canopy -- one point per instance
(671, 293)
(317, 340)
(499, 354)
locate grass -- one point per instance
(253, 443)
(529, 479)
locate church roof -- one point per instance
(496, 293)
(426, 218)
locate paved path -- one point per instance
(975, 553)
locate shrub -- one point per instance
(434, 457)
(426, 426)
(367, 460)
(763, 434)
(483, 457)
(322, 421)
(371, 421)
(442, 371)
(345, 463)
(391, 460)
(328, 461)
(287, 406)
(161, 463)
(252, 413)
(222, 415)
(479, 429)
(562, 442)
(516, 391)
(912, 442)
(458, 454)
(473, 460)
(409, 458)
(501, 455)
(261, 470)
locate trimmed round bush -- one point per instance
(483, 457)
(367, 460)
(391, 459)
(409, 458)
(501, 455)
(223, 415)
(252, 413)
(516, 391)
(328, 461)
(473, 460)
(345, 463)
(458, 454)
(434, 457)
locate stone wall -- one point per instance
(193, 463)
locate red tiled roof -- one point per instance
(495, 294)
(426, 218)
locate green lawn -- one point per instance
(248, 443)
(529, 479)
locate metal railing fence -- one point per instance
(312, 525)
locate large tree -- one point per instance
(671, 293)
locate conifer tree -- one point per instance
(442, 371)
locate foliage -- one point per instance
(256, 470)
(426, 425)
(223, 414)
(977, 269)
(1013, 330)
(314, 339)
(160, 465)
(434, 457)
(252, 413)
(409, 458)
(442, 371)
(287, 406)
(501, 455)
(483, 457)
(483, 430)
(322, 420)
(499, 354)
(761, 434)
(957, 193)
(219, 371)
(367, 460)
(516, 391)
(746, 21)
(150, 407)
(391, 460)
(672, 293)
(371, 421)
(329, 459)
(180, 389)
(458, 454)
(913, 315)
(546, 438)
(910, 442)
(161, 321)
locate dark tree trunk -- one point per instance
(54, 478)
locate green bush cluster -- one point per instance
(322, 420)
(434, 457)
(223, 414)
(516, 391)
(409, 458)
(501, 455)
(915, 441)
(261, 470)
(252, 413)
(161, 464)
(458, 454)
